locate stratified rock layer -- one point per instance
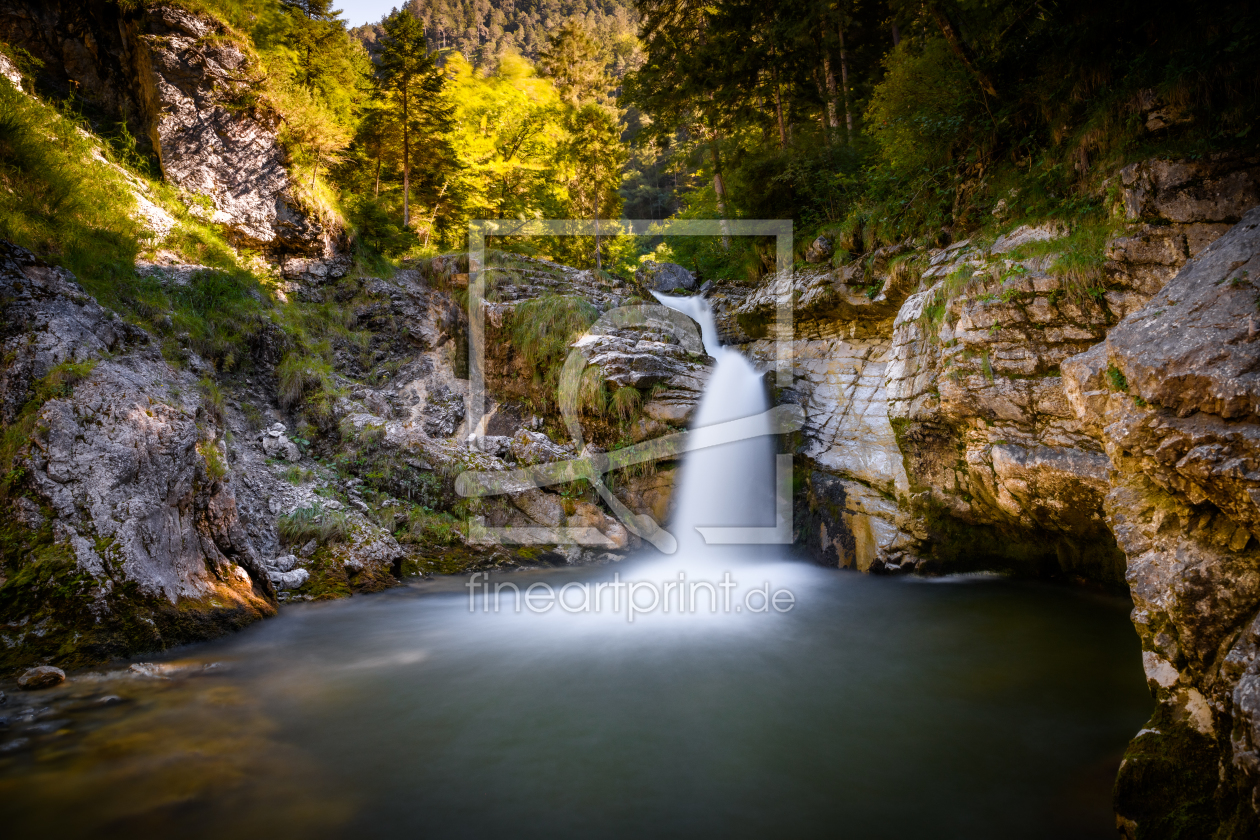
(1171, 396)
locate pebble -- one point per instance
(45, 676)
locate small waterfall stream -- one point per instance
(731, 484)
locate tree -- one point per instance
(595, 155)
(312, 9)
(407, 74)
(317, 27)
(575, 62)
(316, 133)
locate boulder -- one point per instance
(536, 448)
(276, 444)
(45, 676)
(820, 250)
(1194, 346)
(289, 580)
(665, 277)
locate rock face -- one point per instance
(1170, 396)
(186, 91)
(212, 146)
(91, 47)
(122, 479)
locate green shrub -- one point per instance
(592, 398)
(297, 475)
(211, 398)
(215, 468)
(1116, 379)
(429, 527)
(307, 379)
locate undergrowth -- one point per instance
(313, 523)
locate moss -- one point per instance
(1170, 786)
(51, 611)
(328, 579)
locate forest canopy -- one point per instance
(868, 120)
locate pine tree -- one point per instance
(408, 75)
(313, 9)
(575, 62)
(596, 156)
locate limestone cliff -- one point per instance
(121, 530)
(939, 435)
(188, 93)
(1172, 396)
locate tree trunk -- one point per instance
(961, 50)
(778, 103)
(406, 164)
(376, 190)
(829, 74)
(896, 35)
(844, 83)
(719, 189)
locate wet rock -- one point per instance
(44, 676)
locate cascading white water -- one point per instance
(731, 484)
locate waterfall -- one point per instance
(731, 484)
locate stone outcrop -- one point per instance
(215, 142)
(664, 277)
(121, 479)
(1169, 395)
(938, 432)
(189, 96)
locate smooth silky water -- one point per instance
(969, 707)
